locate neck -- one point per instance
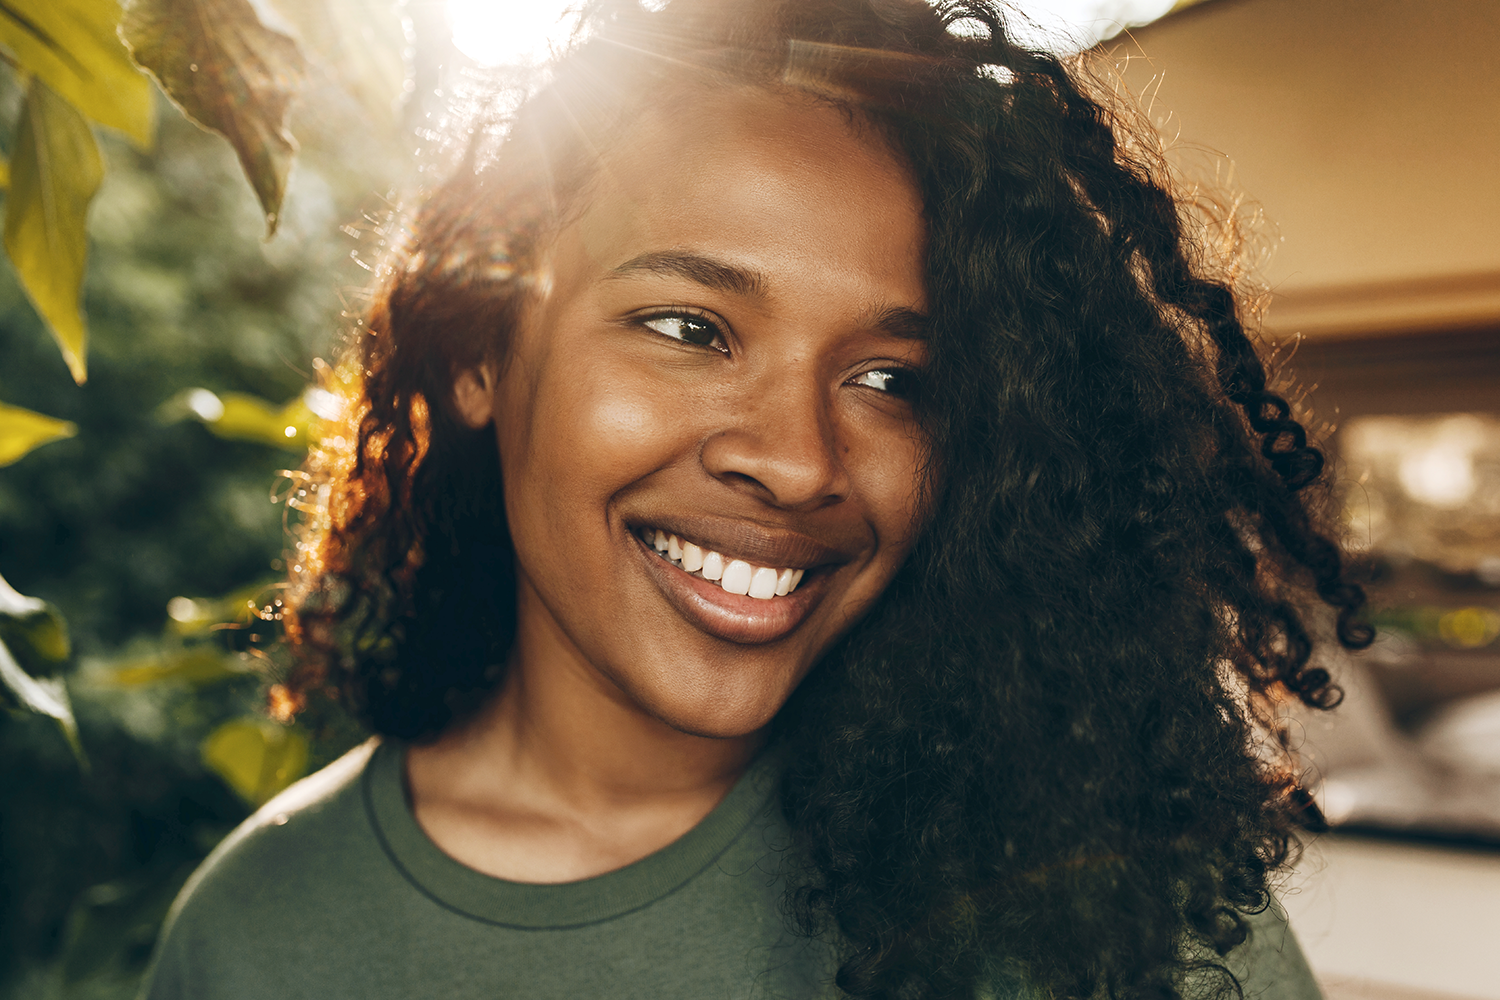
(563, 722)
(563, 775)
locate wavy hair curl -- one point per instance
(1042, 753)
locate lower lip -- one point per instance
(733, 617)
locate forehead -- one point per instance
(777, 181)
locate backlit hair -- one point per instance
(1048, 751)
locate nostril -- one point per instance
(784, 468)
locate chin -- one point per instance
(720, 719)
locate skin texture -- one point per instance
(636, 696)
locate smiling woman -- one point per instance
(702, 366)
(804, 529)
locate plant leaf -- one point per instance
(194, 616)
(256, 758)
(33, 629)
(194, 667)
(242, 417)
(22, 430)
(231, 73)
(250, 418)
(71, 46)
(42, 695)
(54, 171)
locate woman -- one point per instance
(808, 526)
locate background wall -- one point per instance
(1369, 130)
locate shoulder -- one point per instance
(277, 882)
(1270, 964)
(291, 835)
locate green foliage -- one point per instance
(22, 430)
(77, 69)
(240, 416)
(157, 481)
(71, 46)
(255, 757)
(229, 72)
(126, 523)
(231, 66)
(54, 173)
(33, 644)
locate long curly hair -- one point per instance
(1048, 752)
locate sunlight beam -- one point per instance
(524, 32)
(510, 32)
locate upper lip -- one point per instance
(757, 544)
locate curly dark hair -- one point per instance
(1048, 751)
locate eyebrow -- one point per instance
(898, 321)
(707, 271)
(720, 275)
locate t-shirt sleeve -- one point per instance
(168, 977)
(1270, 965)
(272, 889)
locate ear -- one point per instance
(474, 396)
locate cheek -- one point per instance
(886, 469)
(587, 432)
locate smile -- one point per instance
(735, 576)
(742, 605)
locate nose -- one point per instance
(779, 441)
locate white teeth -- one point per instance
(784, 582)
(763, 583)
(737, 577)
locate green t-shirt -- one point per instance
(332, 890)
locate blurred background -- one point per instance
(1359, 142)
(1365, 137)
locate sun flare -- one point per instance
(523, 32)
(510, 32)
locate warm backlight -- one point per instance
(523, 32)
(510, 32)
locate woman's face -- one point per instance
(718, 354)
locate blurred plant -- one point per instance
(33, 644)
(22, 430)
(148, 491)
(232, 67)
(74, 69)
(1457, 628)
(242, 417)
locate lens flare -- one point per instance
(523, 32)
(510, 32)
(1068, 26)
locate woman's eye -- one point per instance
(896, 381)
(688, 329)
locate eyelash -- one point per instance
(895, 380)
(684, 317)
